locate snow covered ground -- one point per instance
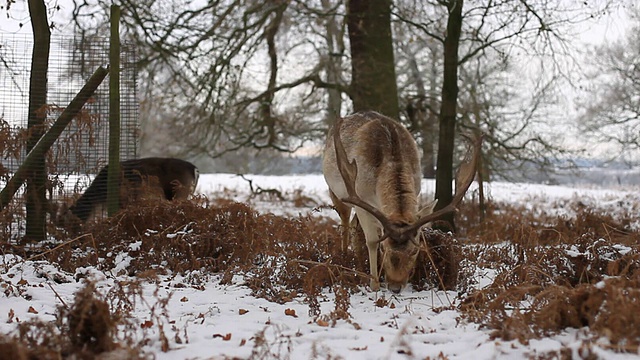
(225, 321)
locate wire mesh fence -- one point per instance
(82, 149)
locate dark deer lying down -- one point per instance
(153, 177)
(372, 164)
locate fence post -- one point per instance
(113, 178)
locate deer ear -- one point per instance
(428, 209)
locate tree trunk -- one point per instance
(420, 113)
(335, 45)
(430, 127)
(373, 83)
(448, 110)
(36, 200)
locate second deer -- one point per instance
(145, 178)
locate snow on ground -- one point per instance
(225, 321)
(313, 186)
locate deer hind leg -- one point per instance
(344, 211)
(371, 233)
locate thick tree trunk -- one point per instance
(36, 200)
(448, 110)
(373, 81)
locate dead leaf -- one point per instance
(243, 311)
(243, 341)
(226, 337)
(164, 341)
(23, 282)
(184, 299)
(322, 323)
(147, 324)
(290, 312)
(32, 310)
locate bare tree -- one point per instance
(514, 113)
(36, 182)
(611, 103)
(214, 69)
(334, 59)
(448, 108)
(419, 64)
(509, 28)
(225, 75)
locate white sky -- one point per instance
(19, 14)
(601, 29)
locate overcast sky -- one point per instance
(603, 29)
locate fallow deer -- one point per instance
(153, 177)
(371, 163)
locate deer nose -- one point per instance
(395, 288)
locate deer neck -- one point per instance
(397, 194)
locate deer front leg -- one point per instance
(371, 234)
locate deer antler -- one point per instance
(464, 178)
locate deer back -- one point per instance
(170, 177)
(155, 177)
(387, 161)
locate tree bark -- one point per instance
(36, 199)
(373, 83)
(335, 46)
(448, 110)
